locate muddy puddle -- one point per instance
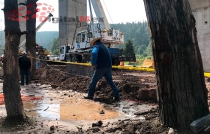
(70, 107)
(79, 110)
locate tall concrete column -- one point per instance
(69, 11)
(201, 12)
(22, 10)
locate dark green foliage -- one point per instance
(55, 46)
(2, 38)
(138, 33)
(45, 39)
(128, 49)
(149, 50)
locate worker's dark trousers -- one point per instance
(24, 73)
(98, 74)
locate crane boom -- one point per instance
(109, 35)
(42, 23)
(37, 28)
(82, 47)
(100, 14)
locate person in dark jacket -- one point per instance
(25, 65)
(102, 62)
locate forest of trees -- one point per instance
(46, 38)
(54, 47)
(137, 33)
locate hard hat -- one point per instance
(22, 52)
(93, 41)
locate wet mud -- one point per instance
(62, 108)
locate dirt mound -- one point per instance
(132, 86)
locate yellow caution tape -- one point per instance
(134, 68)
(206, 74)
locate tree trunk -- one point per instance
(11, 86)
(31, 35)
(182, 94)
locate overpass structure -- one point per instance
(201, 12)
(73, 9)
(69, 12)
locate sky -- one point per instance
(119, 11)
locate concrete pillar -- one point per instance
(79, 70)
(2, 39)
(22, 10)
(201, 12)
(69, 11)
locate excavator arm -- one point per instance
(22, 44)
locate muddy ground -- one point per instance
(138, 87)
(134, 86)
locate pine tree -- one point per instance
(128, 49)
(55, 46)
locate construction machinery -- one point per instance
(40, 51)
(80, 50)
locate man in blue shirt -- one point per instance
(102, 62)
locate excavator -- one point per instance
(80, 50)
(41, 52)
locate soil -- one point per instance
(128, 82)
(135, 86)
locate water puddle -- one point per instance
(70, 106)
(64, 105)
(81, 110)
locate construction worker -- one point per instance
(25, 65)
(102, 62)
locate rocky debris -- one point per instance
(208, 79)
(98, 124)
(94, 130)
(52, 128)
(102, 112)
(44, 74)
(171, 131)
(54, 86)
(145, 112)
(79, 128)
(147, 94)
(137, 127)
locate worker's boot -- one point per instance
(116, 98)
(88, 97)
